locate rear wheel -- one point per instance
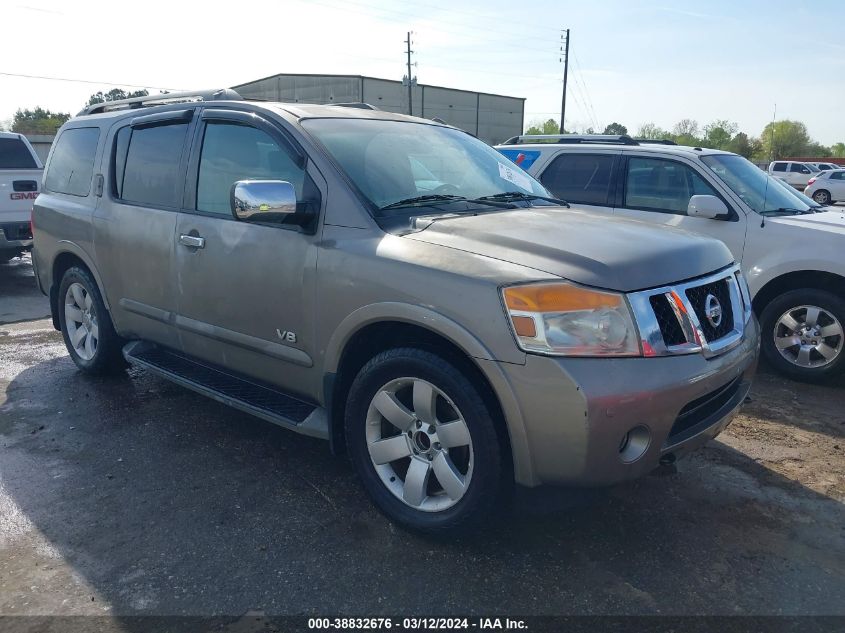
(86, 324)
(804, 334)
(423, 442)
(822, 197)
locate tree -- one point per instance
(115, 94)
(745, 146)
(785, 138)
(38, 121)
(686, 127)
(817, 149)
(615, 128)
(719, 134)
(651, 132)
(546, 127)
(838, 150)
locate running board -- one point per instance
(249, 396)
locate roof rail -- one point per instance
(355, 104)
(613, 139)
(655, 141)
(162, 99)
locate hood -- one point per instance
(832, 221)
(584, 247)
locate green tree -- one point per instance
(719, 134)
(38, 121)
(652, 132)
(544, 127)
(746, 146)
(686, 132)
(817, 149)
(837, 150)
(615, 128)
(782, 139)
(115, 94)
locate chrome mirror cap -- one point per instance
(263, 200)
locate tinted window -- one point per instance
(837, 175)
(662, 185)
(14, 154)
(72, 163)
(149, 173)
(801, 169)
(582, 178)
(779, 167)
(232, 152)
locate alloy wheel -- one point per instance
(419, 444)
(809, 336)
(822, 197)
(81, 321)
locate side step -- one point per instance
(247, 395)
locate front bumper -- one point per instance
(576, 412)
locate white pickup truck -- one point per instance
(20, 182)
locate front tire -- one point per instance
(423, 442)
(803, 334)
(86, 325)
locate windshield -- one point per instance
(394, 162)
(759, 190)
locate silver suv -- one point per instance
(392, 285)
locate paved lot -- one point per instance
(134, 496)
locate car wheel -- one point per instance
(86, 324)
(821, 196)
(424, 442)
(803, 334)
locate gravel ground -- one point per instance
(130, 496)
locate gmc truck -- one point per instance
(20, 182)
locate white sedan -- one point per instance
(827, 187)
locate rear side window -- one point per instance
(799, 168)
(146, 164)
(779, 167)
(72, 163)
(581, 178)
(14, 154)
(837, 175)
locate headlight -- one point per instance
(567, 320)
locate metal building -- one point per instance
(492, 118)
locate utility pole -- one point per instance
(410, 80)
(772, 143)
(565, 77)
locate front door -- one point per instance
(658, 190)
(245, 292)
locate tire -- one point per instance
(398, 376)
(809, 356)
(98, 347)
(822, 196)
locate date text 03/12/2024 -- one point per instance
(412, 624)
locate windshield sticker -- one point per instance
(512, 175)
(522, 157)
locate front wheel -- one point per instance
(424, 442)
(803, 334)
(86, 325)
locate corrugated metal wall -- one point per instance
(492, 118)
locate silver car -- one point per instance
(394, 286)
(827, 187)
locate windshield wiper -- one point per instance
(432, 197)
(518, 195)
(789, 211)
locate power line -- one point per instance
(586, 91)
(87, 81)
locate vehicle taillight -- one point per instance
(811, 181)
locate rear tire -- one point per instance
(803, 334)
(436, 465)
(822, 196)
(86, 325)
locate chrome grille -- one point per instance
(698, 298)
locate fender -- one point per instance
(66, 246)
(759, 275)
(463, 339)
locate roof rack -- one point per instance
(162, 99)
(355, 104)
(614, 139)
(655, 141)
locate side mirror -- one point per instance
(709, 207)
(272, 201)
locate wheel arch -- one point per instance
(796, 280)
(71, 255)
(402, 327)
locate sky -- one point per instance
(632, 62)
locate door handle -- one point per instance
(193, 241)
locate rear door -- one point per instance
(245, 291)
(799, 174)
(136, 220)
(582, 178)
(657, 189)
(836, 183)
